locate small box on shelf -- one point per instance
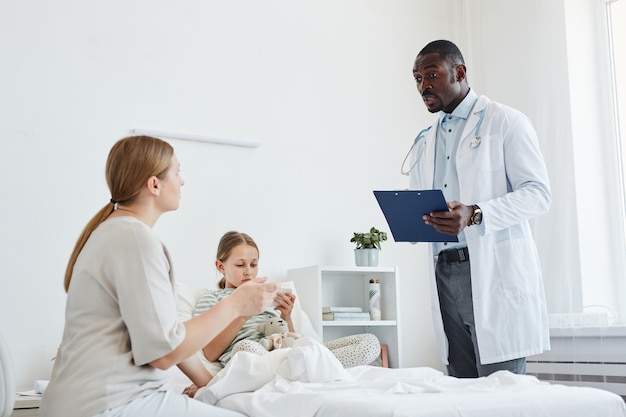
(26, 406)
(340, 315)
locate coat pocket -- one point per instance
(517, 267)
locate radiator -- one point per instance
(610, 376)
(586, 356)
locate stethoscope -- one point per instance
(473, 144)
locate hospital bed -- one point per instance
(307, 380)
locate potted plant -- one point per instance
(368, 246)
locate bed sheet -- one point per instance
(553, 401)
(307, 380)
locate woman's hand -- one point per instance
(254, 296)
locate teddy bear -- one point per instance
(277, 334)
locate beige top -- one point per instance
(120, 315)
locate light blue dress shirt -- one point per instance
(446, 178)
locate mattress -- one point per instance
(543, 401)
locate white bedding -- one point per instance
(307, 380)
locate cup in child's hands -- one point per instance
(281, 290)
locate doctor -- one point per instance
(487, 293)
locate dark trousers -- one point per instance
(454, 286)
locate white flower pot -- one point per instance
(366, 257)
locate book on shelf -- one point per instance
(342, 310)
(338, 316)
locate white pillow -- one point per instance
(186, 298)
(186, 301)
(301, 322)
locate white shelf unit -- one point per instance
(336, 286)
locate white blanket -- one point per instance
(306, 361)
(307, 380)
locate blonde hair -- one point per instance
(226, 245)
(131, 162)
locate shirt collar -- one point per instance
(463, 109)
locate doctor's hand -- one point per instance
(450, 222)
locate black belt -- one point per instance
(454, 255)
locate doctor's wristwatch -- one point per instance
(477, 216)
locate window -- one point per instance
(616, 16)
(593, 284)
(616, 13)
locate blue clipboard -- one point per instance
(403, 210)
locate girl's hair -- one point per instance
(131, 162)
(226, 245)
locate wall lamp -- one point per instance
(197, 138)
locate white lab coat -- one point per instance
(506, 176)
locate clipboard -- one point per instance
(403, 210)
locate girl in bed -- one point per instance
(238, 261)
(121, 325)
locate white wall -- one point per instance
(324, 86)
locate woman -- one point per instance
(121, 327)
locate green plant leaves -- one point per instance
(369, 240)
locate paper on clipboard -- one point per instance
(403, 210)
